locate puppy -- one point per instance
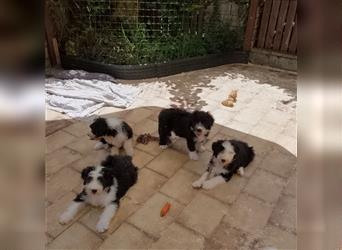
(112, 133)
(104, 186)
(229, 157)
(194, 127)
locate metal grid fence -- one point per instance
(142, 32)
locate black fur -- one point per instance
(244, 154)
(127, 129)
(85, 173)
(122, 168)
(182, 124)
(100, 128)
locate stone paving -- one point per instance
(251, 212)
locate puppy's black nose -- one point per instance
(94, 191)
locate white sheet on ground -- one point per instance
(81, 97)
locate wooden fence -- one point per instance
(272, 25)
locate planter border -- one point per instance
(134, 72)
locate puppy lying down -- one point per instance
(103, 185)
(229, 157)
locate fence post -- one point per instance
(49, 34)
(252, 17)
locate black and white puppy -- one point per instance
(112, 133)
(104, 186)
(229, 157)
(194, 127)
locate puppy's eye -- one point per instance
(207, 134)
(223, 161)
(88, 179)
(199, 130)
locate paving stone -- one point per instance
(265, 186)
(61, 183)
(179, 186)
(148, 183)
(76, 237)
(78, 129)
(55, 125)
(152, 148)
(127, 237)
(210, 244)
(155, 114)
(178, 237)
(58, 140)
(254, 165)
(228, 192)
(93, 158)
(137, 115)
(248, 214)
(83, 145)
(277, 238)
(145, 126)
(232, 133)
(203, 214)
(200, 166)
(260, 146)
(215, 129)
(291, 187)
(148, 217)
(266, 130)
(279, 163)
(59, 159)
(140, 158)
(126, 209)
(231, 238)
(284, 214)
(168, 162)
(54, 228)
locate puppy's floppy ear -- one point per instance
(86, 171)
(217, 147)
(210, 119)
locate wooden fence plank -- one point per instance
(289, 25)
(272, 24)
(264, 23)
(280, 24)
(293, 41)
(252, 18)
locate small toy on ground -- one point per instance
(165, 209)
(146, 138)
(231, 99)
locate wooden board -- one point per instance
(271, 30)
(280, 24)
(264, 23)
(252, 17)
(289, 26)
(293, 41)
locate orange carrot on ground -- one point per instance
(165, 209)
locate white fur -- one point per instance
(99, 145)
(209, 184)
(70, 212)
(163, 146)
(199, 147)
(128, 146)
(106, 217)
(241, 171)
(199, 182)
(193, 155)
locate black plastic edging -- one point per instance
(132, 72)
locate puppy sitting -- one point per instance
(104, 186)
(112, 133)
(229, 157)
(194, 127)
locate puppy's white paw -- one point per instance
(101, 226)
(65, 218)
(99, 146)
(163, 146)
(201, 148)
(241, 171)
(193, 156)
(207, 185)
(197, 184)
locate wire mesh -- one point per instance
(142, 32)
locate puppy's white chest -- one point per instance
(101, 200)
(216, 171)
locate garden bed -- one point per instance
(132, 72)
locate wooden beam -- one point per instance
(252, 18)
